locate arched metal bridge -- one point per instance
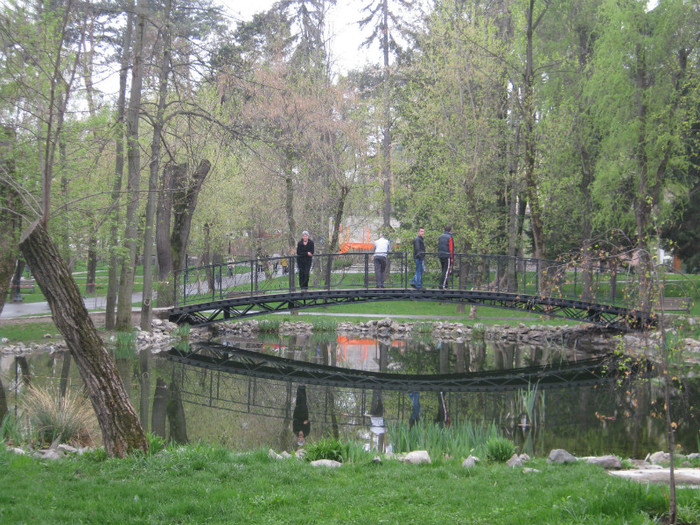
(605, 294)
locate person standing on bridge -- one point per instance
(419, 258)
(381, 249)
(305, 254)
(446, 252)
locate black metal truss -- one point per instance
(245, 362)
(608, 316)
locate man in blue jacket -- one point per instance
(419, 258)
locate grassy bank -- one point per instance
(199, 484)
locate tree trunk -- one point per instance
(114, 258)
(91, 265)
(176, 416)
(144, 385)
(184, 203)
(163, 216)
(122, 432)
(160, 405)
(126, 280)
(10, 223)
(147, 302)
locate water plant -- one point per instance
(457, 440)
(499, 449)
(269, 325)
(68, 419)
(124, 344)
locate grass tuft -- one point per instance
(68, 419)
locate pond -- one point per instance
(542, 397)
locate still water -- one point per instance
(253, 407)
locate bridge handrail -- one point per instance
(585, 281)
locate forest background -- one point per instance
(534, 127)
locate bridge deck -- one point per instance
(234, 308)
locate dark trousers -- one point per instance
(380, 270)
(446, 263)
(304, 270)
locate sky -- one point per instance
(343, 29)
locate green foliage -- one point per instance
(269, 325)
(124, 345)
(499, 449)
(156, 443)
(200, 484)
(459, 440)
(326, 448)
(69, 419)
(10, 431)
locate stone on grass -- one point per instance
(470, 462)
(514, 461)
(607, 462)
(657, 458)
(325, 463)
(416, 457)
(273, 455)
(528, 470)
(67, 449)
(560, 456)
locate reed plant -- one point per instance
(124, 345)
(324, 324)
(10, 432)
(67, 419)
(269, 325)
(458, 440)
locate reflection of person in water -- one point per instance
(443, 416)
(300, 418)
(415, 411)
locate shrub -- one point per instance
(499, 449)
(327, 448)
(69, 419)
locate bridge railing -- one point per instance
(586, 281)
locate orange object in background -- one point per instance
(356, 246)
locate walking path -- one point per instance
(16, 310)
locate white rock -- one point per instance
(514, 461)
(559, 455)
(659, 457)
(67, 448)
(325, 463)
(416, 457)
(470, 462)
(273, 455)
(607, 462)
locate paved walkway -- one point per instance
(14, 310)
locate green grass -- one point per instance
(28, 331)
(201, 484)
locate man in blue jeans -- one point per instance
(419, 258)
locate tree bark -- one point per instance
(122, 432)
(114, 259)
(126, 280)
(147, 302)
(185, 196)
(160, 404)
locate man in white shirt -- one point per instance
(381, 249)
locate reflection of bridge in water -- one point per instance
(250, 382)
(603, 294)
